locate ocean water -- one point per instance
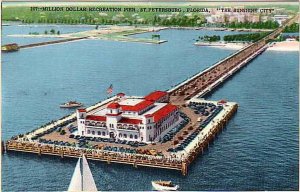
(258, 150)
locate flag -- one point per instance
(110, 89)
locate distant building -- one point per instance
(131, 118)
(280, 18)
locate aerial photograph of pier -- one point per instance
(150, 96)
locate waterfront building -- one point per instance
(143, 119)
(280, 18)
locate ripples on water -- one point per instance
(257, 151)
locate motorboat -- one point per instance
(70, 104)
(164, 186)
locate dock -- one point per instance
(185, 95)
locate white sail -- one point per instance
(88, 183)
(76, 184)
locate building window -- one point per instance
(120, 134)
(125, 135)
(135, 136)
(99, 132)
(131, 136)
(88, 131)
(93, 132)
(103, 133)
(110, 111)
(148, 120)
(142, 138)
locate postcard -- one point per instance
(146, 96)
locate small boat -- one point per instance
(164, 186)
(82, 179)
(70, 104)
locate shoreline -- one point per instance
(222, 45)
(149, 26)
(286, 46)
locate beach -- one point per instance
(223, 45)
(285, 46)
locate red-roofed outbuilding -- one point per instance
(158, 96)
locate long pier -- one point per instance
(211, 77)
(51, 42)
(185, 92)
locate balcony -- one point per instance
(96, 124)
(128, 127)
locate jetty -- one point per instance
(51, 42)
(202, 121)
(114, 33)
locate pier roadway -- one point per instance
(196, 84)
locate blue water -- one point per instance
(257, 151)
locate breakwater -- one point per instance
(51, 42)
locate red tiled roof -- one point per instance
(81, 110)
(113, 105)
(163, 112)
(130, 121)
(96, 118)
(155, 95)
(149, 115)
(138, 107)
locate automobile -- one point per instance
(130, 143)
(88, 138)
(71, 136)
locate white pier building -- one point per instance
(142, 119)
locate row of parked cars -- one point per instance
(109, 140)
(120, 149)
(203, 108)
(202, 125)
(169, 136)
(62, 143)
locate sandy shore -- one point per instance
(285, 46)
(222, 45)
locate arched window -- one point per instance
(93, 132)
(125, 135)
(131, 136)
(120, 134)
(135, 136)
(103, 133)
(99, 132)
(89, 132)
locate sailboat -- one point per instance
(82, 180)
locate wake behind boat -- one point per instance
(71, 104)
(82, 179)
(164, 186)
